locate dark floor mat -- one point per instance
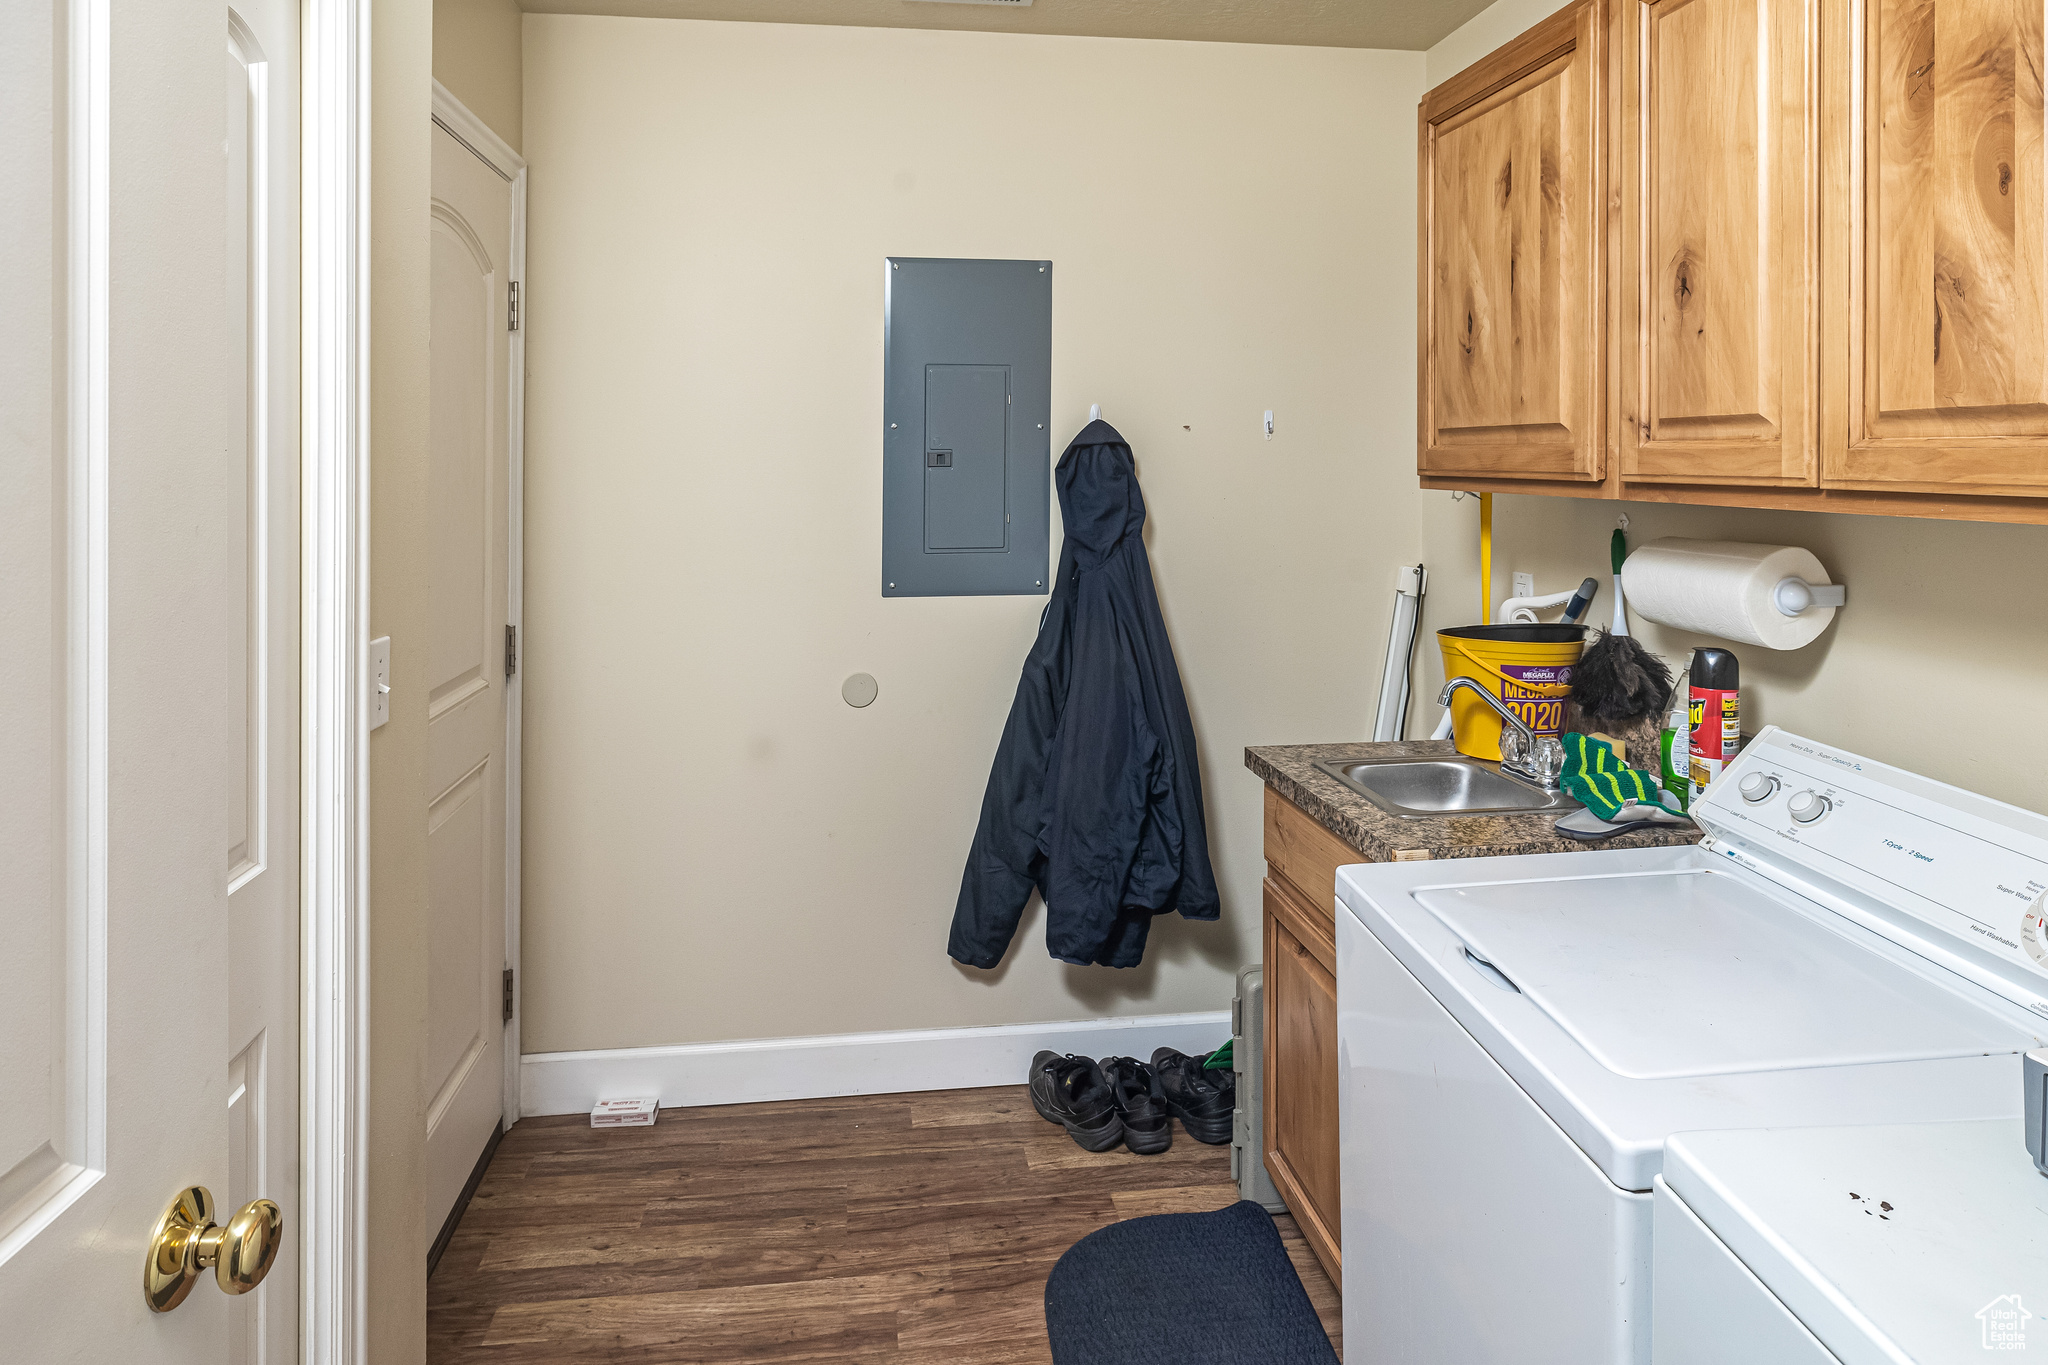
(1183, 1289)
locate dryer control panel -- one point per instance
(1958, 877)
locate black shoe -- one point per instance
(1204, 1101)
(1148, 1128)
(1073, 1092)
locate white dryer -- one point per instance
(1921, 1242)
(1851, 944)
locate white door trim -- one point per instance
(473, 133)
(334, 402)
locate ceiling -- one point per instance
(1406, 24)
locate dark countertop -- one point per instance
(1290, 769)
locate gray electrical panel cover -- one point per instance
(966, 403)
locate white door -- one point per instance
(471, 233)
(148, 721)
(260, 582)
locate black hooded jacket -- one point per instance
(1096, 794)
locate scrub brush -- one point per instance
(1617, 681)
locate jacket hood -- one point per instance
(1100, 505)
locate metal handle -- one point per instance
(1495, 977)
(186, 1241)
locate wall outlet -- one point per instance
(1525, 585)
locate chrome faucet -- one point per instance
(1523, 753)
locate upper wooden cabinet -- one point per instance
(1718, 268)
(1510, 281)
(1820, 278)
(1937, 360)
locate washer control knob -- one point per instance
(1759, 787)
(1809, 806)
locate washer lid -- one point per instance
(1692, 972)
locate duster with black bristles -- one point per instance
(1617, 681)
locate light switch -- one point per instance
(380, 680)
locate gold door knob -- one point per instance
(187, 1241)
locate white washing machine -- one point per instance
(1851, 944)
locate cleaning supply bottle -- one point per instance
(1674, 745)
(1716, 719)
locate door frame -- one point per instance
(458, 122)
(334, 977)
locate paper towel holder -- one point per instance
(1794, 595)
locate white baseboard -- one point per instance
(754, 1069)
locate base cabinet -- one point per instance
(1301, 1138)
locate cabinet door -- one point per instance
(1719, 262)
(1511, 309)
(1301, 1074)
(1936, 307)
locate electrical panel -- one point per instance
(966, 450)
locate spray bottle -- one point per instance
(1674, 745)
(1716, 703)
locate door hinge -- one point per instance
(512, 306)
(511, 650)
(508, 995)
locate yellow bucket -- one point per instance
(1527, 666)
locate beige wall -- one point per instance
(1938, 663)
(477, 56)
(716, 845)
(1481, 34)
(401, 49)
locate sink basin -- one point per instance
(1418, 787)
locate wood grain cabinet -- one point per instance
(1300, 1117)
(1937, 362)
(1822, 275)
(1717, 274)
(1511, 329)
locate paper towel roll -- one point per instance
(1723, 588)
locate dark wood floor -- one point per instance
(894, 1228)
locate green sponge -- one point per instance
(1598, 779)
